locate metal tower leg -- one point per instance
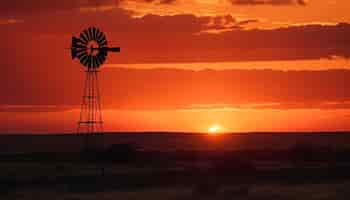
(90, 123)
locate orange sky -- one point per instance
(185, 65)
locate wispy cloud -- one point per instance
(269, 2)
(35, 108)
(10, 21)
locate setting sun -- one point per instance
(214, 129)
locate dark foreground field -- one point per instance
(311, 167)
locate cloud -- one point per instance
(25, 7)
(16, 8)
(34, 108)
(269, 2)
(234, 44)
(219, 24)
(10, 21)
(159, 1)
(171, 24)
(187, 38)
(274, 106)
(297, 105)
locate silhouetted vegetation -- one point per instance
(208, 173)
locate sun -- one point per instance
(214, 129)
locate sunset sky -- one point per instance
(185, 65)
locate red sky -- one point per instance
(185, 65)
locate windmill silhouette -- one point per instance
(91, 50)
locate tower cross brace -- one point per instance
(90, 121)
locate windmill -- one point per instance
(91, 50)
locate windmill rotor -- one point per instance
(91, 48)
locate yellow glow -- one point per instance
(214, 129)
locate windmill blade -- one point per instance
(78, 46)
(87, 35)
(83, 38)
(93, 61)
(74, 42)
(105, 55)
(73, 52)
(84, 60)
(102, 39)
(80, 50)
(98, 62)
(90, 33)
(99, 35)
(77, 41)
(81, 54)
(94, 33)
(80, 41)
(88, 61)
(100, 58)
(103, 43)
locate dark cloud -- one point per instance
(15, 8)
(19, 8)
(174, 39)
(35, 108)
(185, 38)
(58, 23)
(269, 2)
